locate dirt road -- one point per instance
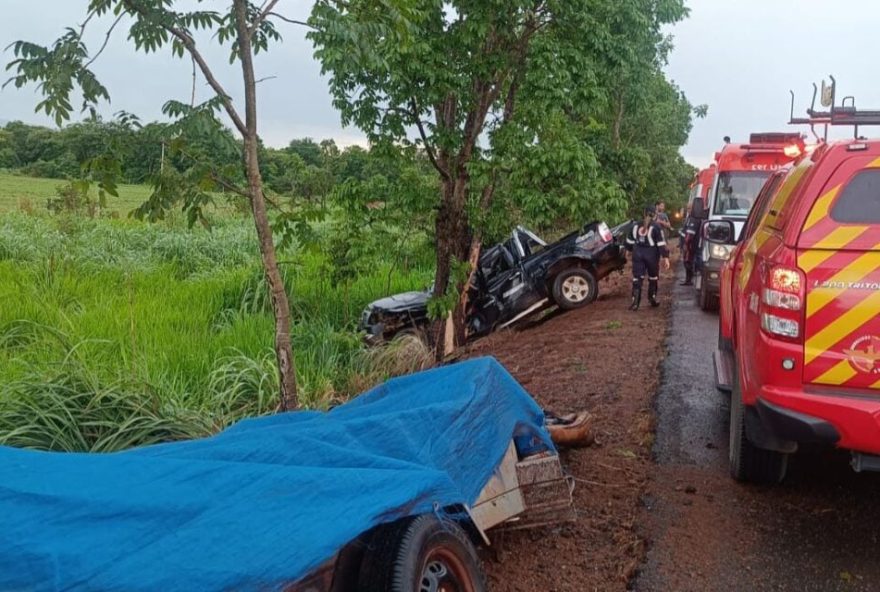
(816, 532)
(605, 359)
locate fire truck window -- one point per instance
(859, 203)
(736, 191)
(762, 205)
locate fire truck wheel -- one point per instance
(748, 462)
(421, 554)
(574, 288)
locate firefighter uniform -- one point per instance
(648, 245)
(691, 239)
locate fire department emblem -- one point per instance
(864, 354)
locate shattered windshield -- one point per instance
(736, 191)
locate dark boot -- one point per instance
(636, 295)
(688, 277)
(652, 293)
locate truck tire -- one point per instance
(706, 301)
(724, 344)
(574, 288)
(421, 554)
(748, 462)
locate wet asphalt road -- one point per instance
(818, 531)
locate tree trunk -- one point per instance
(618, 120)
(280, 305)
(451, 229)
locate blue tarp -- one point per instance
(266, 501)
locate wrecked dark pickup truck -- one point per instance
(513, 279)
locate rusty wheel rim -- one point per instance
(444, 571)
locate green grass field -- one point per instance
(20, 193)
(115, 332)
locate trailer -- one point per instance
(393, 491)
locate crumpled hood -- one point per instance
(404, 301)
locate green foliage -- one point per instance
(116, 332)
(58, 70)
(73, 198)
(553, 112)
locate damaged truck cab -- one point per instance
(513, 279)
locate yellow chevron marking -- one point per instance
(841, 327)
(840, 373)
(876, 385)
(810, 260)
(840, 237)
(786, 189)
(820, 208)
(855, 271)
(873, 164)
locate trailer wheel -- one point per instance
(574, 288)
(421, 554)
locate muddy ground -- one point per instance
(655, 507)
(606, 359)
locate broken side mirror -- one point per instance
(698, 208)
(721, 231)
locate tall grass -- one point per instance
(116, 333)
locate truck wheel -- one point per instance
(421, 554)
(724, 344)
(574, 288)
(705, 300)
(748, 462)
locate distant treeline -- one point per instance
(305, 167)
(617, 167)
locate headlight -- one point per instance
(717, 251)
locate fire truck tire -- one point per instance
(421, 553)
(574, 288)
(748, 462)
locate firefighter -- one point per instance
(691, 236)
(648, 246)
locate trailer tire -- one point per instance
(419, 554)
(574, 288)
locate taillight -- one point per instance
(782, 300)
(605, 233)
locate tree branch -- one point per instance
(192, 100)
(428, 148)
(265, 11)
(292, 21)
(106, 38)
(189, 43)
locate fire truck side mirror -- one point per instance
(698, 209)
(720, 231)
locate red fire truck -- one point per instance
(740, 173)
(799, 345)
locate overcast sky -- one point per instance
(740, 57)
